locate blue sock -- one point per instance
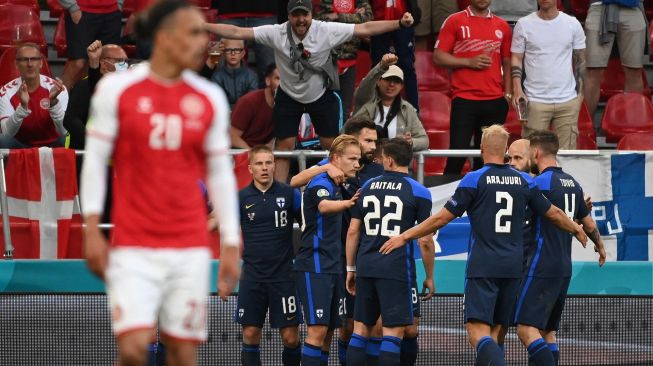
(409, 348)
(250, 355)
(539, 354)
(373, 350)
(390, 350)
(556, 352)
(488, 353)
(311, 355)
(324, 358)
(151, 354)
(291, 356)
(356, 350)
(342, 352)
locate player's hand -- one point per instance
(228, 271)
(392, 244)
(212, 223)
(55, 91)
(580, 235)
(589, 203)
(354, 198)
(76, 16)
(407, 20)
(94, 51)
(479, 62)
(336, 174)
(388, 60)
(602, 254)
(23, 95)
(96, 250)
(351, 283)
(428, 289)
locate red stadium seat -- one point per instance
(579, 9)
(636, 141)
(613, 80)
(18, 24)
(512, 125)
(128, 7)
(584, 142)
(60, 38)
(462, 4)
(33, 4)
(438, 140)
(434, 110)
(55, 8)
(363, 65)
(585, 123)
(429, 76)
(648, 7)
(8, 71)
(243, 176)
(625, 114)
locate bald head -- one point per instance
(519, 154)
(113, 51)
(494, 143)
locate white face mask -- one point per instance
(121, 66)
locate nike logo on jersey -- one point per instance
(247, 207)
(291, 317)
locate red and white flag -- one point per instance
(44, 211)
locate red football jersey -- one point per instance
(163, 133)
(465, 35)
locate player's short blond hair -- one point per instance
(258, 149)
(341, 143)
(495, 139)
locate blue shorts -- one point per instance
(391, 299)
(541, 301)
(255, 298)
(414, 295)
(349, 300)
(491, 300)
(323, 298)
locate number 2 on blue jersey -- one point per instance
(507, 212)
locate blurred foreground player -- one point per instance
(268, 210)
(495, 198)
(164, 128)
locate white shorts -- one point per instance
(166, 285)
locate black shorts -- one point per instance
(541, 301)
(325, 112)
(491, 300)
(255, 298)
(349, 300)
(91, 27)
(323, 298)
(414, 296)
(391, 299)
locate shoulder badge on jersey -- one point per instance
(322, 193)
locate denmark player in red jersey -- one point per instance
(164, 128)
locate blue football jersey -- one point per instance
(321, 248)
(389, 205)
(551, 254)
(495, 198)
(266, 219)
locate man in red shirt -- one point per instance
(164, 128)
(32, 106)
(475, 44)
(251, 119)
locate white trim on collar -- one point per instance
(469, 13)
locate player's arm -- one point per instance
(516, 74)
(304, 177)
(428, 227)
(592, 232)
(558, 218)
(230, 31)
(373, 28)
(333, 206)
(427, 248)
(351, 249)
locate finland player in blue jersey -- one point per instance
(267, 212)
(383, 284)
(319, 260)
(495, 198)
(544, 289)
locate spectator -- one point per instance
(513, 10)
(476, 44)
(604, 24)
(302, 51)
(101, 60)
(251, 119)
(32, 106)
(544, 42)
(434, 13)
(231, 74)
(378, 99)
(400, 41)
(345, 12)
(86, 21)
(251, 13)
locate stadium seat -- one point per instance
(438, 140)
(613, 80)
(648, 7)
(585, 123)
(512, 125)
(60, 38)
(363, 65)
(627, 113)
(20, 23)
(462, 4)
(243, 176)
(579, 9)
(431, 77)
(128, 7)
(8, 71)
(585, 142)
(434, 110)
(55, 8)
(33, 4)
(636, 141)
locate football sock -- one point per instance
(342, 352)
(311, 355)
(356, 350)
(488, 353)
(408, 355)
(250, 355)
(324, 358)
(539, 354)
(291, 356)
(390, 349)
(372, 351)
(555, 351)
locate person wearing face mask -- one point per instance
(101, 61)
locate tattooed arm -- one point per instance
(593, 233)
(516, 74)
(579, 65)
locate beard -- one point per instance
(534, 169)
(367, 158)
